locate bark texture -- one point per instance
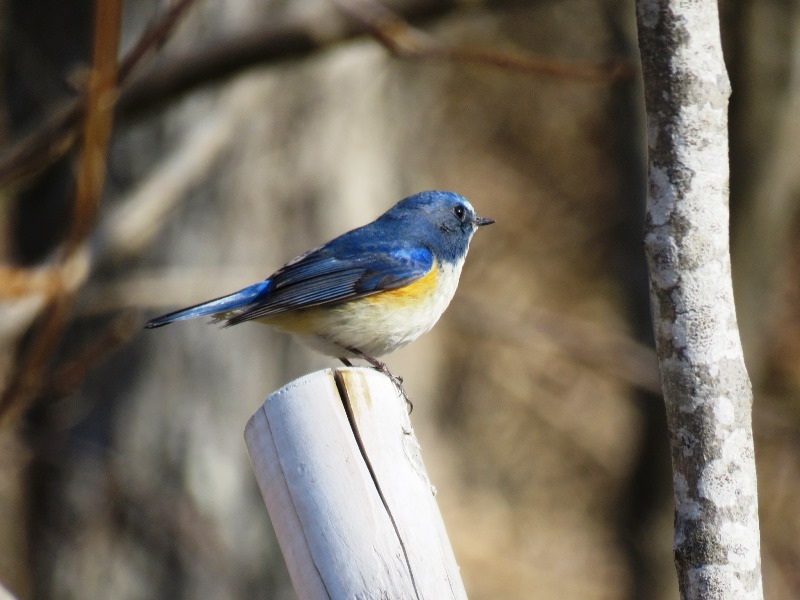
(706, 387)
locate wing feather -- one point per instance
(319, 278)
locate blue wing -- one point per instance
(328, 275)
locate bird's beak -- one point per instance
(481, 221)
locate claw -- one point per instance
(381, 366)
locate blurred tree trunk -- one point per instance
(706, 387)
(765, 143)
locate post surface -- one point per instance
(342, 477)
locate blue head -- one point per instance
(442, 221)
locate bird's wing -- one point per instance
(319, 277)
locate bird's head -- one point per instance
(450, 215)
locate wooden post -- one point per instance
(342, 476)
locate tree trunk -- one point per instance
(706, 387)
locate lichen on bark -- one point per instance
(706, 388)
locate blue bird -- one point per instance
(367, 292)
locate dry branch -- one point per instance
(96, 132)
(405, 41)
(61, 130)
(279, 39)
(99, 111)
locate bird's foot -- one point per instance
(381, 366)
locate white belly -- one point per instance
(376, 324)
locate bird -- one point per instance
(369, 291)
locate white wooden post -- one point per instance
(342, 476)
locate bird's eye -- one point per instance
(459, 211)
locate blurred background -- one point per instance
(252, 130)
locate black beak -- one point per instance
(481, 221)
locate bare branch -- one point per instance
(60, 131)
(100, 99)
(279, 39)
(70, 374)
(96, 132)
(405, 41)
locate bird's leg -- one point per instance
(381, 366)
(345, 362)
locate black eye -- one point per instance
(459, 211)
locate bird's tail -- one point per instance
(220, 308)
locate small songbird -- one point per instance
(367, 292)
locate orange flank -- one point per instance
(312, 320)
(416, 290)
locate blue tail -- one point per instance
(247, 296)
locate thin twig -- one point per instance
(279, 39)
(405, 41)
(97, 128)
(18, 282)
(99, 112)
(68, 376)
(28, 378)
(61, 130)
(153, 38)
